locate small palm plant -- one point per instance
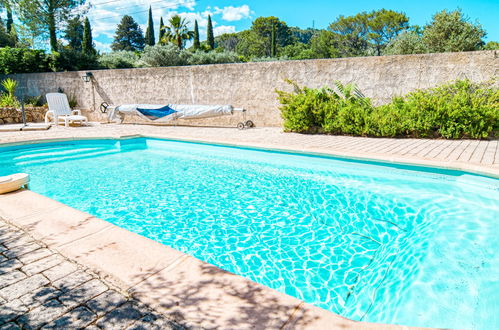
(349, 91)
(8, 98)
(177, 31)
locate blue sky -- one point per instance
(232, 16)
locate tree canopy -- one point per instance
(46, 17)
(74, 33)
(128, 35)
(177, 31)
(451, 31)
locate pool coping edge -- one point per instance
(379, 159)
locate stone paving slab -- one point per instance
(472, 155)
(42, 289)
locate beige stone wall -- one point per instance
(252, 85)
(13, 115)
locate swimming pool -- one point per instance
(369, 241)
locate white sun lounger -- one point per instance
(59, 110)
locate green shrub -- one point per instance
(8, 98)
(304, 109)
(23, 60)
(201, 57)
(456, 110)
(461, 109)
(34, 101)
(167, 55)
(72, 60)
(119, 60)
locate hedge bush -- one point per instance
(23, 60)
(201, 57)
(461, 109)
(119, 60)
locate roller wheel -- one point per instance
(250, 124)
(240, 126)
(103, 107)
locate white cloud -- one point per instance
(231, 13)
(104, 47)
(224, 29)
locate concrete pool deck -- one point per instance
(188, 291)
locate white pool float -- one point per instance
(13, 182)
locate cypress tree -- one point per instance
(10, 20)
(210, 38)
(197, 45)
(273, 50)
(87, 45)
(161, 31)
(74, 33)
(150, 30)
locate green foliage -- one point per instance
(491, 45)
(119, 60)
(304, 109)
(408, 42)
(74, 33)
(298, 51)
(8, 98)
(161, 31)
(149, 37)
(325, 45)
(34, 101)
(10, 19)
(23, 60)
(263, 27)
(210, 38)
(45, 17)
(367, 33)
(72, 100)
(128, 36)
(196, 43)
(68, 59)
(177, 32)
(87, 42)
(200, 57)
(452, 32)
(461, 109)
(385, 26)
(250, 45)
(227, 41)
(167, 55)
(6, 38)
(302, 35)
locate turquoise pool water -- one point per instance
(369, 241)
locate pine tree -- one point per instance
(150, 30)
(128, 35)
(197, 44)
(87, 45)
(210, 38)
(161, 31)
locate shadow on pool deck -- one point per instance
(204, 295)
(40, 288)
